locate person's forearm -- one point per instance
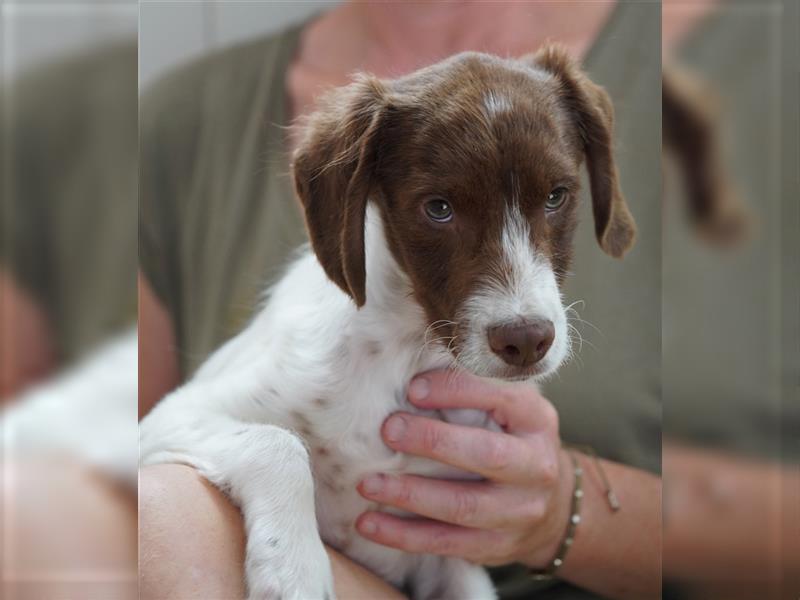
(26, 339)
(185, 518)
(617, 554)
(730, 518)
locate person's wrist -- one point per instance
(556, 523)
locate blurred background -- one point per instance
(38, 32)
(730, 362)
(173, 33)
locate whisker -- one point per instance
(570, 310)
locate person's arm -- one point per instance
(158, 361)
(519, 511)
(618, 554)
(27, 352)
(191, 543)
(72, 531)
(731, 522)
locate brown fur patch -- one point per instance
(321, 402)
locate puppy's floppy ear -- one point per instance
(333, 171)
(594, 115)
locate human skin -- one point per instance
(191, 543)
(27, 354)
(67, 531)
(732, 523)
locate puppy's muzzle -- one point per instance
(522, 344)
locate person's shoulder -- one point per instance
(224, 79)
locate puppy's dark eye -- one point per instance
(439, 210)
(556, 199)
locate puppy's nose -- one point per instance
(522, 344)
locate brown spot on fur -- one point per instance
(331, 486)
(302, 424)
(321, 402)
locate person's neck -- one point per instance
(413, 34)
(394, 38)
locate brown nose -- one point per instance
(522, 344)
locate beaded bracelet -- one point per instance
(574, 519)
(575, 514)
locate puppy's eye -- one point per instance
(556, 199)
(439, 210)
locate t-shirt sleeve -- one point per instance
(166, 140)
(68, 197)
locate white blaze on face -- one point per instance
(527, 291)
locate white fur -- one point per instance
(87, 413)
(528, 293)
(495, 103)
(234, 420)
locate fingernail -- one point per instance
(395, 429)
(419, 388)
(368, 526)
(372, 484)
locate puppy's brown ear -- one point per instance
(333, 173)
(594, 115)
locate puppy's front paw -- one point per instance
(283, 569)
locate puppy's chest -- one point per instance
(339, 463)
(341, 425)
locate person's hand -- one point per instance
(517, 513)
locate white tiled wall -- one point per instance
(174, 31)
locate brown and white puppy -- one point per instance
(440, 208)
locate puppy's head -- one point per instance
(473, 165)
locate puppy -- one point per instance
(440, 208)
